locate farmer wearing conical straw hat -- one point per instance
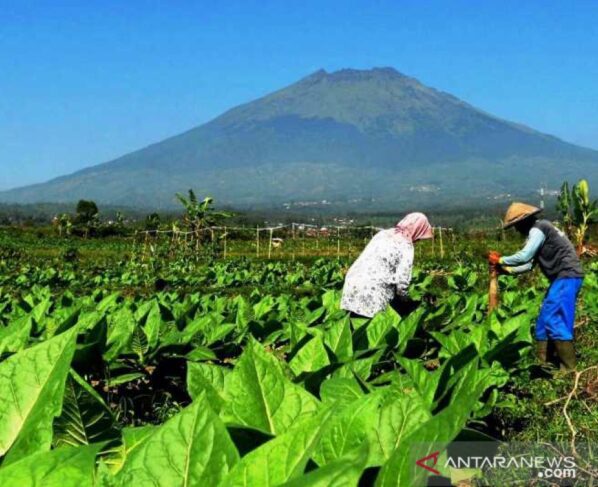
(547, 246)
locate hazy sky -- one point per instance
(82, 82)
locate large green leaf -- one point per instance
(85, 418)
(132, 438)
(244, 313)
(66, 318)
(192, 448)
(344, 472)
(15, 336)
(381, 419)
(39, 313)
(338, 338)
(108, 302)
(381, 324)
(207, 378)
(138, 343)
(121, 326)
(257, 393)
(425, 382)
(340, 390)
(280, 459)
(407, 328)
(433, 435)
(349, 428)
(32, 386)
(263, 307)
(197, 326)
(152, 325)
(62, 467)
(401, 414)
(331, 300)
(311, 357)
(360, 367)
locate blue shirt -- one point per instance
(523, 260)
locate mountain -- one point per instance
(350, 137)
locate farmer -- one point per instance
(553, 252)
(383, 270)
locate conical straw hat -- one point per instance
(519, 211)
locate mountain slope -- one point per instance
(345, 135)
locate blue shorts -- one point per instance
(557, 316)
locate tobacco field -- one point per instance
(246, 372)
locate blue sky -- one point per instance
(82, 82)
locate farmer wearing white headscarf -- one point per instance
(383, 270)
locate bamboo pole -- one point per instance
(257, 241)
(135, 245)
(440, 242)
(224, 243)
(145, 244)
(338, 242)
(270, 244)
(453, 241)
(293, 242)
(303, 243)
(493, 296)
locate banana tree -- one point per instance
(578, 211)
(152, 222)
(63, 223)
(200, 215)
(563, 206)
(585, 212)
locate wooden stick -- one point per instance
(257, 241)
(303, 244)
(493, 296)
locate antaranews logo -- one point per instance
(422, 462)
(500, 463)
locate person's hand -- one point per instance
(493, 257)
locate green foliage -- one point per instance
(33, 382)
(339, 473)
(87, 211)
(152, 222)
(200, 215)
(62, 467)
(86, 219)
(248, 373)
(85, 418)
(577, 210)
(564, 204)
(282, 458)
(192, 448)
(258, 395)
